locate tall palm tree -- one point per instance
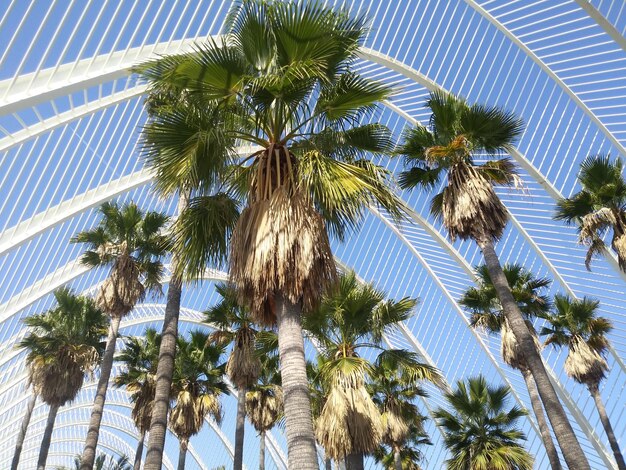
(409, 455)
(264, 402)
(196, 388)
(348, 320)
(486, 312)
(64, 344)
(469, 208)
(182, 143)
(233, 325)
(139, 358)
(576, 324)
(479, 431)
(130, 244)
(598, 207)
(394, 392)
(282, 80)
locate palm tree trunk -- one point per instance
(240, 428)
(619, 458)
(397, 459)
(553, 455)
(301, 451)
(328, 464)
(182, 454)
(354, 462)
(139, 451)
(165, 372)
(91, 442)
(572, 452)
(22, 434)
(47, 437)
(165, 367)
(262, 451)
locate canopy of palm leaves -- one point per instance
(282, 79)
(410, 454)
(600, 206)
(264, 400)
(458, 134)
(197, 385)
(350, 319)
(575, 324)
(479, 431)
(104, 462)
(130, 243)
(63, 345)
(486, 312)
(232, 323)
(140, 357)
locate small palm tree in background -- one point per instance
(233, 325)
(196, 388)
(394, 391)
(318, 390)
(183, 145)
(264, 402)
(575, 324)
(600, 206)
(410, 454)
(469, 208)
(486, 313)
(130, 244)
(282, 79)
(479, 431)
(139, 359)
(104, 462)
(64, 344)
(353, 318)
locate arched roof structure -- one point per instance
(70, 115)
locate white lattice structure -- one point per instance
(70, 116)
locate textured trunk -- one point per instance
(165, 367)
(301, 449)
(139, 451)
(240, 428)
(553, 455)
(47, 437)
(572, 452)
(22, 434)
(328, 464)
(89, 453)
(262, 451)
(397, 459)
(354, 462)
(182, 454)
(619, 458)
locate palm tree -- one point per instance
(409, 455)
(264, 402)
(65, 343)
(394, 392)
(196, 388)
(479, 431)
(575, 324)
(598, 207)
(469, 208)
(184, 146)
(486, 312)
(353, 318)
(130, 244)
(140, 357)
(104, 462)
(282, 80)
(318, 390)
(232, 324)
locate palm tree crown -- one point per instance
(130, 243)
(64, 344)
(598, 207)
(479, 431)
(457, 134)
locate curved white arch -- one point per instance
(603, 23)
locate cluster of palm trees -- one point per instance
(260, 137)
